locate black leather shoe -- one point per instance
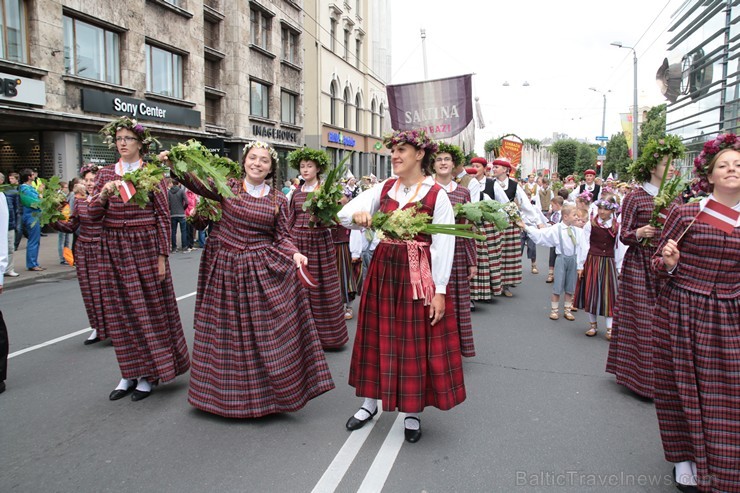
(91, 341)
(139, 395)
(355, 424)
(120, 394)
(412, 436)
(472, 305)
(2, 386)
(686, 488)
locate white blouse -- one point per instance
(474, 187)
(442, 247)
(257, 190)
(530, 215)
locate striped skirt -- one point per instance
(511, 256)
(326, 300)
(347, 279)
(459, 290)
(487, 282)
(596, 291)
(696, 360)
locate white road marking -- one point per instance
(69, 336)
(344, 458)
(383, 463)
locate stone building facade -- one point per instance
(221, 71)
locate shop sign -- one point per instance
(114, 104)
(215, 146)
(16, 89)
(339, 138)
(275, 133)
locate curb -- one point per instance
(28, 281)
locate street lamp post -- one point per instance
(603, 122)
(618, 44)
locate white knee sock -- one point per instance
(567, 305)
(555, 305)
(124, 384)
(685, 473)
(144, 385)
(93, 335)
(412, 424)
(592, 318)
(369, 404)
(609, 321)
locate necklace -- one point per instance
(407, 189)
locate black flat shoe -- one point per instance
(120, 394)
(412, 436)
(139, 395)
(686, 488)
(355, 424)
(91, 341)
(472, 305)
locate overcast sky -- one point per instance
(561, 48)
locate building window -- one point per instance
(176, 3)
(333, 34)
(90, 51)
(259, 100)
(213, 111)
(358, 52)
(212, 69)
(210, 33)
(13, 31)
(373, 111)
(287, 107)
(333, 104)
(347, 109)
(357, 7)
(380, 119)
(358, 113)
(346, 44)
(163, 72)
(261, 25)
(290, 46)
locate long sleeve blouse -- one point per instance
(551, 236)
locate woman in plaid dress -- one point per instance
(316, 241)
(407, 350)
(86, 252)
(256, 350)
(696, 331)
(464, 265)
(140, 308)
(631, 349)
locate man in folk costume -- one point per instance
(532, 189)
(589, 186)
(507, 190)
(462, 178)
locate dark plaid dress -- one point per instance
(459, 286)
(140, 312)
(696, 333)
(86, 253)
(631, 349)
(326, 300)
(398, 356)
(256, 350)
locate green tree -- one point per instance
(653, 127)
(585, 157)
(534, 143)
(492, 146)
(617, 156)
(567, 151)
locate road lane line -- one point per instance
(383, 463)
(344, 458)
(69, 336)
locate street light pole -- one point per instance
(603, 122)
(635, 126)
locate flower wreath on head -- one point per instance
(258, 144)
(89, 168)
(653, 153)
(458, 158)
(321, 158)
(124, 122)
(586, 195)
(611, 204)
(711, 149)
(416, 138)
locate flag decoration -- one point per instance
(663, 215)
(719, 216)
(308, 281)
(127, 190)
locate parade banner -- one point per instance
(511, 150)
(626, 119)
(443, 108)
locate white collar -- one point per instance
(504, 184)
(123, 167)
(310, 188)
(249, 187)
(650, 188)
(452, 186)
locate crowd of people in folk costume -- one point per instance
(673, 295)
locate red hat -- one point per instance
(589, 172)
(502, 162)
(479, 160)
(471, 171)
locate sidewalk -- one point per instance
(48, 258)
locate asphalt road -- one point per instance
(541, 415)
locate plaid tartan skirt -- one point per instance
(487, 282)
(596, 291)
(256, 350)
(347, 279)
(458, 289)
(86, 261)
(398, 356)
(141, 315)
(697, 384)
(631, 348)
(511, 256)
(326, 300)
